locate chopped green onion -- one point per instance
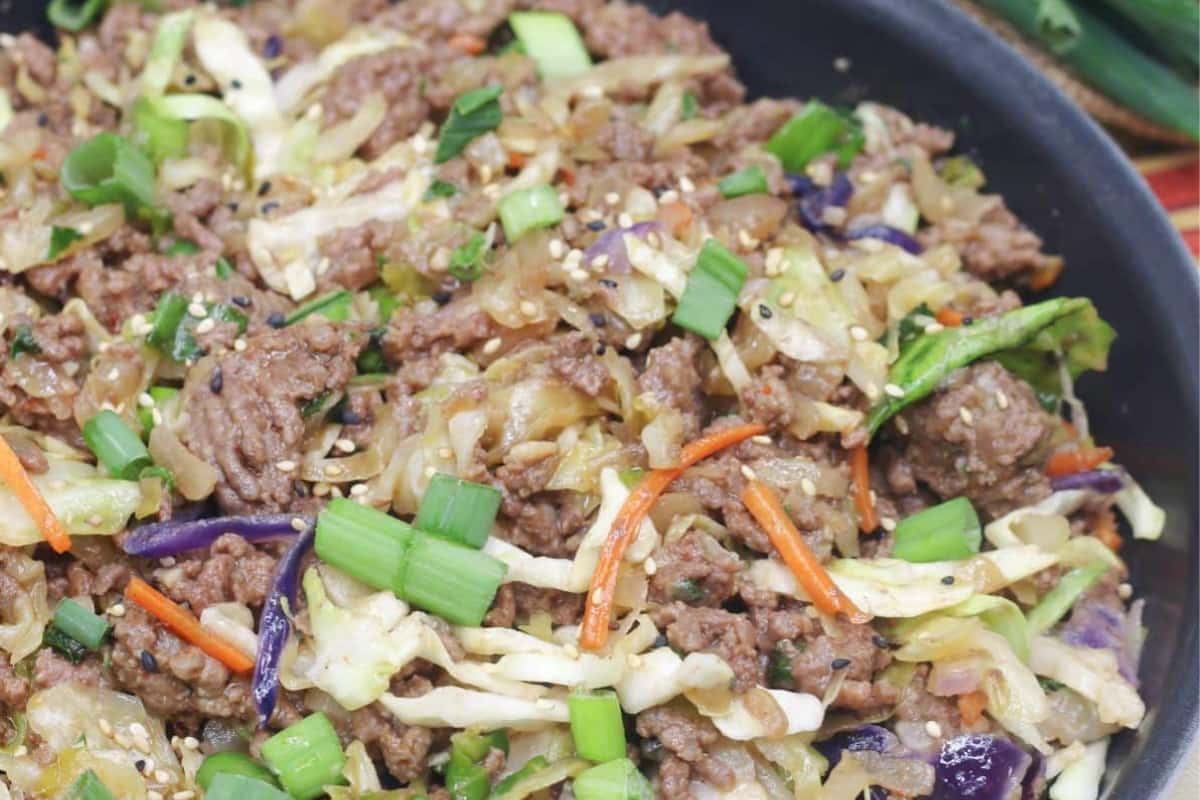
(1059, 600)
(362, 542)
(80, 624)
(616, 780)
(72, 15)
(315, 406)
(230, 786)
(440, 188)
(166, 52)
(371, 362)
(454, 582)
(168, 315)
(334, 306)
(946, 532)
(67, 647)
(162, 473)
(109, 169)
(172, 330)
(466, 780)
(751, 180)
(60, 239)
(596, 725)
(473, 114)
(458, 510)
(711, 294)
(552, 41)
(690, 106)
(192, 107)
(159, 394)
(466, 262)
(535, 764)
(814, 130)
(962, 171)
(23, 342)
(779, 667)
(307, 757)
(527, 209)
(223, 268)
(385, 300)
(688, 591)
(116, 446)
(183, 247)
(231, 762)
(88, 786)
(160, 136)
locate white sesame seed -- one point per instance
(321, 489)
(597, 596)
(105, 726)
(333, 470)
(485, 173)
(892, 390)
(558, 248)
(808, 487)
(298, 524)
(95, 520)
(686, 185)
(564, 199)
(115, 610)
(183, 794)
(748, 473)
(345, 445)
(624, 220)
(206, 325)
(1124, 591)
(445, 452)
(122, 740)
(113, 374)
(612, 198)
(934, 327)
(571, 650)
(874, 497)
(156, 416)
(669, 196)
(633, 342)
(1001, 399)
(528, 308)
(633, 660)
(762, 438)
(786, 299)
(966, 416)
(887, 523)
(774, 257)
(579, 275)
(145, 400)
(197, 310)
(153, 795)
(812, 612)
(600, 261)
(287, 465)
(833, 215)
(858, 333)
(239, 345)
(650, 566)
(21, 752)
(191, 743)
(168, 561)
(162, 776)
(573, 259)
(933, 729)
(491, 346)
(148, 767)
(902, 425)
(429, 472)
(143, 744)
(359, 489)
(872, 392)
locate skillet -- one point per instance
(1063, 175)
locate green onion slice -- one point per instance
(535, 764)
(109, 169)
(466, 780)
(440, 188)
(458, 510)
(1059, 600)
(475, 746)
(473, 114)
(711, 294)
(68, 648)
(466, 262)
(362, 542)
(615, 780)
(80, 624)
(751, 180)
(528, 209)
(159, 394)
(72, 15)
(116, 446)
(183, 247)
(231, 762)
(88, 786)
(814, 130)
(450, 580)
(60, 239)
(552, 41)
(596, 725)
(307, 757)
(946, 532)
(231, 786)
(24, 342)
(223, 268)
(334, 306)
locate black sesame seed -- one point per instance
(276, 319)
(269, 206)
(880, 642)
(608, 283)
(968, 321)
(948, 580)
(232, 206)
(43, 120)
(217, 382)
(149, 662)
(273, 46)
(440, 297)
(599, 320)
(140, 764)
(839, 663)
(601, 349)
(596, 225)
(235, 84)
(765, 311)
(240, 301)
(299, 488)
(660, 640)
(660, 190)
(264, 188)
(837, 275)
(189, 80)
(351, 417)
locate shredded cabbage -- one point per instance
(296, 85)
(1080, 780)
(1006, 531)
(452, 707)
(166, 52)
(658, 264)
(1146, 518)
(27, 614)
(86, 503)
(662, 675)
(798, 712)
(1093, 673)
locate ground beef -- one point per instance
(777, 395)
(681, 738)
(185, 683)
(402, 748)
(436, 20)
(694, 569)
(51, 669)
(816, 659)
(233, 570)
(917, 705)
(14, 689)
(459, 325)
(755, 123)
(672, 377)
(355, 253)
(545, 524)
(997, 248)
(518, 602)
(730, 636)
(38, 388)
(255, 423)
(992, 454)
(575, 361)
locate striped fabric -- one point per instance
(1175, 179)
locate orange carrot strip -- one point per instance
(593, 631)
(1106, 531)
(971, 706)
(868, 520)
(1046, 275)
(949, 317)
(764, 505)
(1077, 459)
(17, 479)
(469, 43)
(516, 160)
(676, 216)
(186, 626)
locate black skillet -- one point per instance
(1068, 180)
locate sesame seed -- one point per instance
(198, 311)
(887, 523)
(485, 173)
(624, 220)
(578, 275)
(491, 345)
(633, 660)
(571, 650)
(597, 596)
(183, 794)
(748, 473)
(966, 416)
(872, 392)
(287, 465)
(216, 381)
(105, 727)
(948, 580)
(762, 438)
(786, 299)
(669, 196)
(596, 225)
(573, 259)
(157, 416)
(686, 185)
(600, 261)
(191, 743)
(892, 390)
(445, 452)
(333, 470)
(839, 663)
(321, 489)
(808, 487)
(239, 345)
(113, 374)
(358, 489)
(149, 662)
(336, 491)
(765, 311)
(143, 743)
(95, 520)
(774, 257)
(933, 729)
(528, 308)
(612, 198)
(1001, 399)
(153, 795)
(650, 566)
(1124, 591)
(901, 425)
(934, 327)
(298, 524)
(633, 342)
(837, 275)
(858, 333)
(558, 248)
(746, 240)
(879, 642)
(162, 776)
(429, 472)
(145, 400)
(811, 612)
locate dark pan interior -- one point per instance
(1063, 176)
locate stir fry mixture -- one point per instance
(467, 399)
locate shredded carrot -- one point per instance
(1106, 531)
(1077, 459)
(186, 626)
(971, 706)
(19, 483)
(516, 160)
(568, 176)
(764, 505)
(676, 216)
(868, 520)
(469, 43)
(1046, 275)
(949, 317)
(40, 154)
(593, 631)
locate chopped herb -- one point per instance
(962, 171)
(224, 271)
(913, 324)
(466, 262)
(474, 113)
(334, 306)
(688, 590)
(1049, 684)
(440, 188)
(183, 247)
(23, 342)
(60, 239)
(162, 473)
(691, 106)
(69, 648)
(314, 405)
(779, 666)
